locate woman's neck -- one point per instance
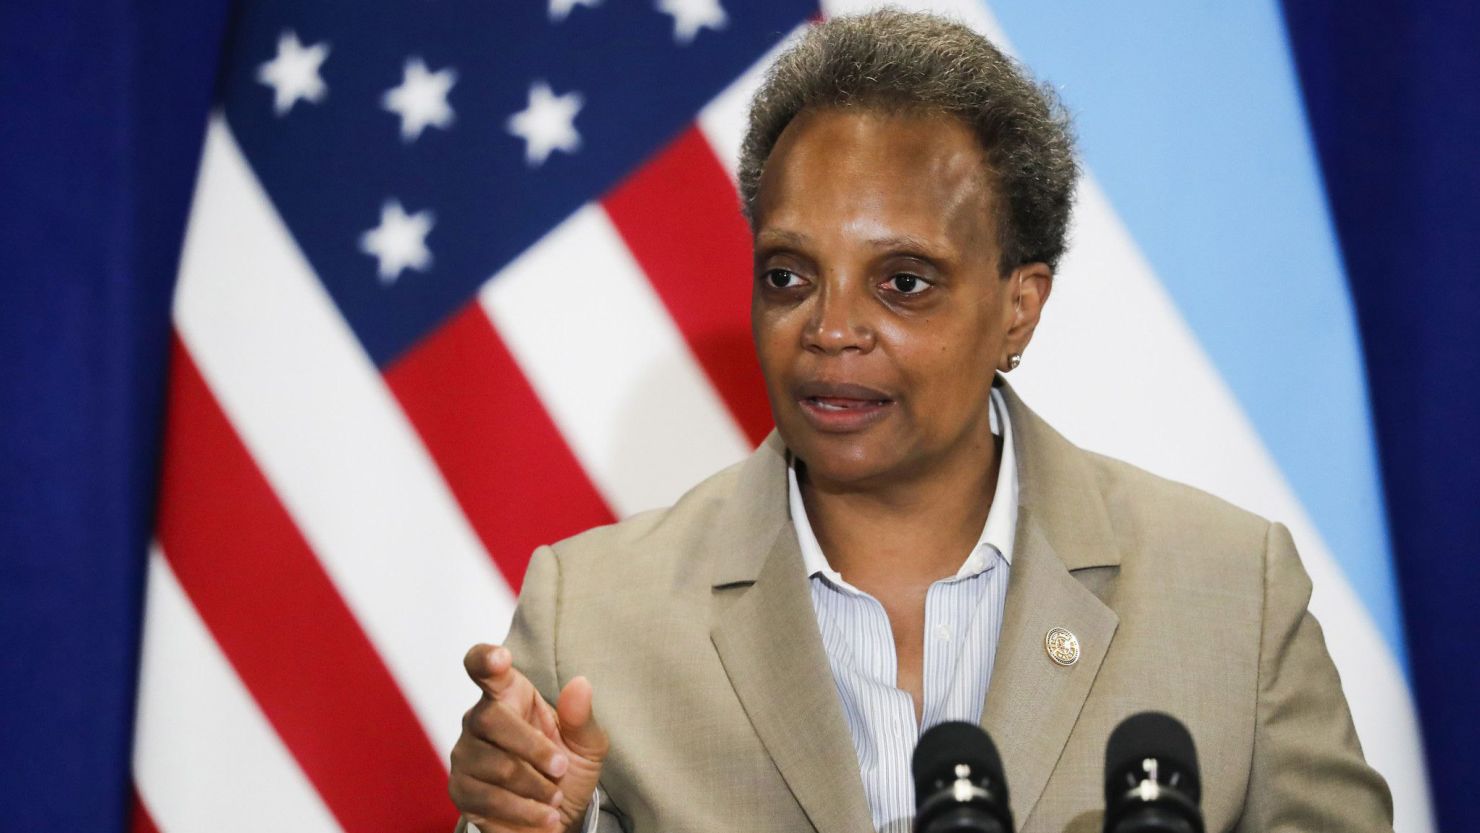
(913, 530)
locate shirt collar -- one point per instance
(999, 533)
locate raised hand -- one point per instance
(520, 764)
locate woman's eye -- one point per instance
(782, 278)
(908, 284)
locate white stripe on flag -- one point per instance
(607, 361)
(331, 439)
(722, 121)
(205, 757)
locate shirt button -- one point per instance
(942, 634)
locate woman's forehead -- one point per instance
(875, 176)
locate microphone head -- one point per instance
(945, 746)
(959, 785)
(1151, 736)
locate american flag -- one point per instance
(460, 278)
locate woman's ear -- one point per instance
(1029, 288)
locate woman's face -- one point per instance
(878, 312)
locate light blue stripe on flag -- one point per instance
(1189, 115)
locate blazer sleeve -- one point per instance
(531, 636)
(1307, 773)
(532, 640)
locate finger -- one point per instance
(578, 727)
(491, 667)
(492, 808)
(493, 766)
(545, 719)
(499, 725)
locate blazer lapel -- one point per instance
(765, 632)
(1033, 702)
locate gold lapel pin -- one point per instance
(1062, 646)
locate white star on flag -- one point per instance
(294, 73)
(399, 242)
(689, 16)
(560, 9)
(421, 99)
(547, 124)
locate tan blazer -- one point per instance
(695, 626)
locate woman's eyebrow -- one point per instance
(900, 241)
(780, 237)
(776, 241)
(909, 244)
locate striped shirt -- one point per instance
(963, 615)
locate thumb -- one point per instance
(578, 726)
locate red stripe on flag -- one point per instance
(139, 820)
(507, 464)
(680, 216)
(282, 624)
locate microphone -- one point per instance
(959, 786)
(1151, 779)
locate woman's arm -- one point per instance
(1308, 773)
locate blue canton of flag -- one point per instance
(458, 133)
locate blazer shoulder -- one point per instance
(1085, 496)
(1153, 512)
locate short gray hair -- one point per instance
(898, 61)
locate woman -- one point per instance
(913, 544)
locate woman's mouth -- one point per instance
(842, 404)
(834, 407)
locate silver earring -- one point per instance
(1014, 360)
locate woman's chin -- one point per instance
(851, 463)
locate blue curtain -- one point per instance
(102, 108)
(1390, 89)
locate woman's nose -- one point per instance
(838, 323)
